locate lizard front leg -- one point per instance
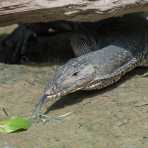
(16, 43)
(18, 40)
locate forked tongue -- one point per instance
(38, 113)
(38, 108)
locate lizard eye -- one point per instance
(75, 74)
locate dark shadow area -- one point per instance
(81, 95)
(49, 47)
(53, 49)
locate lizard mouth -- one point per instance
(54, 91)
(55, 95)
(92, 85)
(61, 93)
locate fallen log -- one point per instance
(19, 11)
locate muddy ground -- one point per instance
(116, 117)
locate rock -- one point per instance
(75, 10)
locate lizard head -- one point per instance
(75, 75)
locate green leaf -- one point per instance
(14, 124)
